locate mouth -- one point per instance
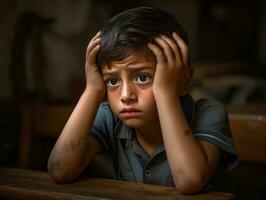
(130, 113)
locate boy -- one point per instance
(153, 130)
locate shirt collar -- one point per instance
(122, 131)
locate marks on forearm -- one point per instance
(187, 132)
(58, 162)
(56, 167)
(75, 145)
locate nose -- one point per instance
(128, 93)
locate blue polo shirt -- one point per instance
(208, 120)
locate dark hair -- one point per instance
(132, 30)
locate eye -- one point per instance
(111, 82)
(143, 78)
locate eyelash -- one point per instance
(108, 82)
(147, 77)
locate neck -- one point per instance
(149, 138)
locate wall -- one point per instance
(58, 52)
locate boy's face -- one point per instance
(129, 89)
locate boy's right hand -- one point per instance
(94, 80)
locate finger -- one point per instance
(166, 49)
(94, 51)
(183, 48)
(91, 59)
(93, 44)
(158, 52)
(174, 47)
(97, 35)
(96, 39)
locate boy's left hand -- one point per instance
(172, 74)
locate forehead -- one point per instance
(136, 60)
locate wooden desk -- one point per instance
(27, 184)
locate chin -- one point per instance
(134, 123)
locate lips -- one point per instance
(130, 113)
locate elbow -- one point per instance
(190, 184)
(58, 173)
(59, 178)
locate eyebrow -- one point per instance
(133, 68)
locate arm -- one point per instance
(192, 163)
(74, 148)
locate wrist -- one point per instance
(95, 93)
(167, 99)
(165, 94)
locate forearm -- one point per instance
(186, 157)
(70, 153)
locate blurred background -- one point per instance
(42, 55)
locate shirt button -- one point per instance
(148, 173)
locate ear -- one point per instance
(188, 82)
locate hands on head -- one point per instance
(94, 80)
(173, 72)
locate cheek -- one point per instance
(113, 100)
(148, 99)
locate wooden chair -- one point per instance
(39, 122)
(248, 179)
(249, 133)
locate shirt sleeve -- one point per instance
(211, 124)
(103, 126)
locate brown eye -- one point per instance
(143, 78)
(111, 82)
